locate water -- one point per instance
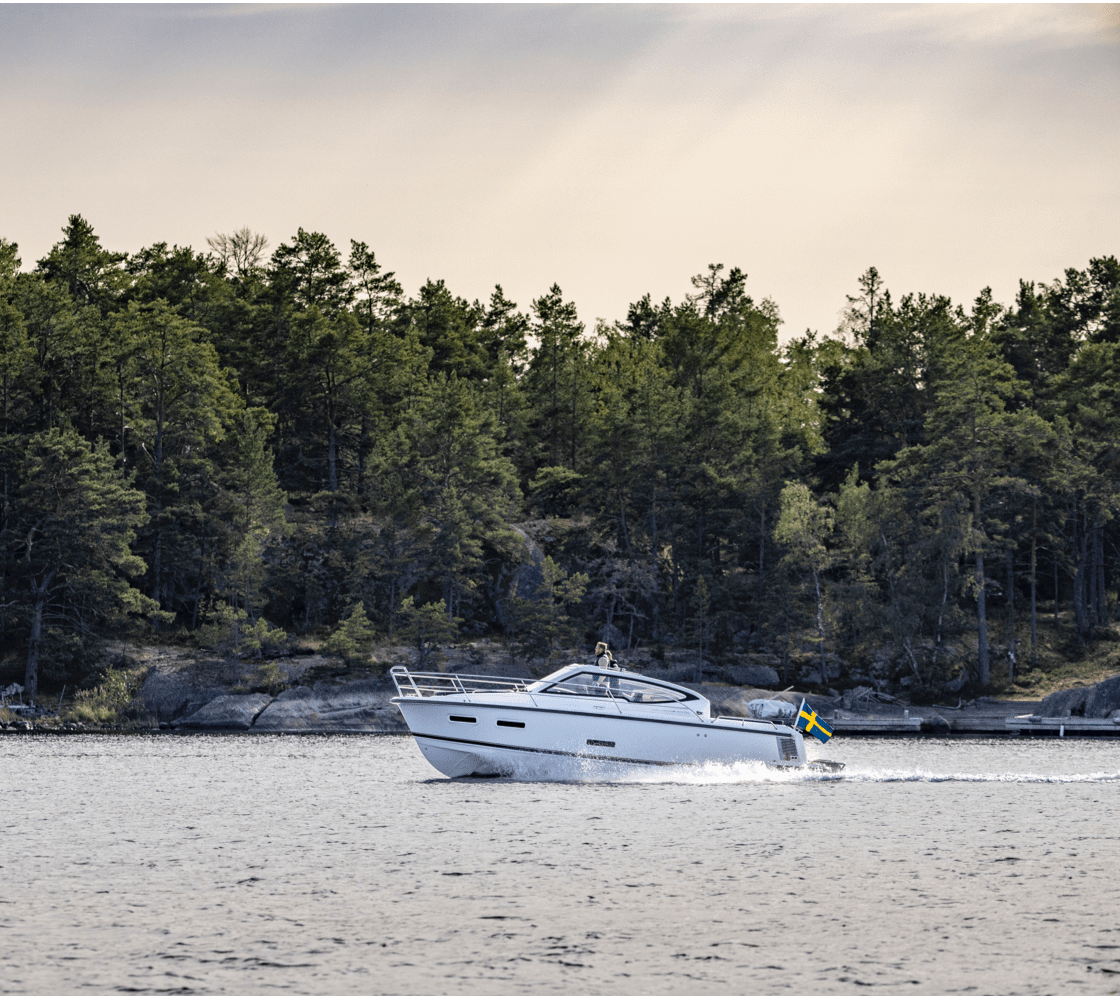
(255, 865)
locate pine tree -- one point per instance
(540, 620)
(978, 432)
(554, 382)
(352, 638)
(175, 406)
(71, 522)
(428, 627)
(78, 264)
(450, 459)
(804, 526)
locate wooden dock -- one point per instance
(1064, 727)
(875, 725)
(1007, 718)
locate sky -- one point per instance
(612, 150)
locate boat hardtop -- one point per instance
(618, 684)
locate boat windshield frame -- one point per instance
(613, 685)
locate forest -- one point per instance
(240, 449)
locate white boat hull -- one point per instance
(534, 736)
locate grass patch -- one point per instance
(112, 702)
(1063, 662)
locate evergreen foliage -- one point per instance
(241, 446)
(352, 638)
(540, 619)
(427, 627)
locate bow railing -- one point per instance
(434, 684)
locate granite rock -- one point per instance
(226, 713)
(1098, 700)
(168, 697)
(360, 706)
(757, 676)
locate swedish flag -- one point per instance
(808, 722)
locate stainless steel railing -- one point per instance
(434, 684)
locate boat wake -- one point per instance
(925, 776)
(714, 773)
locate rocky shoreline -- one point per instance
(361, 706)
(179, 697)
(365, 707)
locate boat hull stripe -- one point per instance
(541, 751)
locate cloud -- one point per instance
(614, 149)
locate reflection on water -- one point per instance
(348, 865)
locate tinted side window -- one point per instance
(637, 692)
(583, 684)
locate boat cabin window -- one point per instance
(591, 684)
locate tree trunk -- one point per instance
(120, 403)
(363, 445)
(1091, 602)
(820, 622)
(1011, 615)
(913, 661)
(941, 615)
(1102, 596)
(1054, 559)
(982, 621)
(554, 429)
(392, 606)
(654, 560)
(332, 459)
(761, 543)
(31, 673)
(1010, 589)
(575, 395)
(981, 599)
(1034, 588)
(1079, 586)
(198, 586)
(157, 565)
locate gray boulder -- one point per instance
(226, 713)
(754, 675)
(361, 706)
(1098, 700)
(169, 697)
(731, 701)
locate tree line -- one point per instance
(245, 447)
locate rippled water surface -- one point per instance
(257, 865)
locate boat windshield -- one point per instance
(594, 684)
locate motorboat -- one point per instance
(580, 721)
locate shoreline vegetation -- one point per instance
(244, 461)
(155, 689)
